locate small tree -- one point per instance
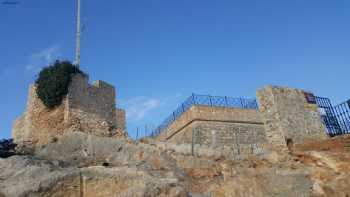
(53, 82)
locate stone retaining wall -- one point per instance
(216, 134)
(235, 152)
(215, 127)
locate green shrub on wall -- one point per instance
(53, 82)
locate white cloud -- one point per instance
(138, 107)
(42, 58)
(179, 94)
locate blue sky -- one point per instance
(157, 52)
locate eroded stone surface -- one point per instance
(76, 165)
(87, 108)
(287, 116)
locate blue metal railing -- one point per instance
(335, 118)
(205, 100)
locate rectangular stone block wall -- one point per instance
(207, 113)
(288, 116)
(183, 137)
(218, 134)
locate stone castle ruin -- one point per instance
(89, 108)
(209, 146)
(279, 118)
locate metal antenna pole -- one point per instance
(77, 49)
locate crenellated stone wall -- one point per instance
(90, 108)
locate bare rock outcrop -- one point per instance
(79, 164)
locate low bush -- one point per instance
(53, 82)
(7, 148)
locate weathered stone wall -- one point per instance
(234, 152)
(121, 119)
(91, 107)
(238, 138)
(217, 134)
(217, 127)
(213, 114)
(87, 108)
(288, 116)
(38, 125)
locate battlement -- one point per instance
(88, 103)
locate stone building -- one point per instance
(90, 108)
(283, 116)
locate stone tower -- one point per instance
(89, 108)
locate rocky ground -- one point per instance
(84, 165)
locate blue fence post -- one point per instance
(174, 115)
(137, 133)
(146, 130)
(193, 99)
(211, 103)
(183, 107)
(241, 102)
(226, 104)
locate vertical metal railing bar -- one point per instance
(336, 118)
(337, 126)
(335, 129)
(347, 107)
(325, 104)
(347, 112)
(137, 133)
(193, 99)
(345, 116)
(340, 117)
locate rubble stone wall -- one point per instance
(121, 119)
(38, 125)
(87, 108)
(288, 116)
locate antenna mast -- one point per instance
(77, 49)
